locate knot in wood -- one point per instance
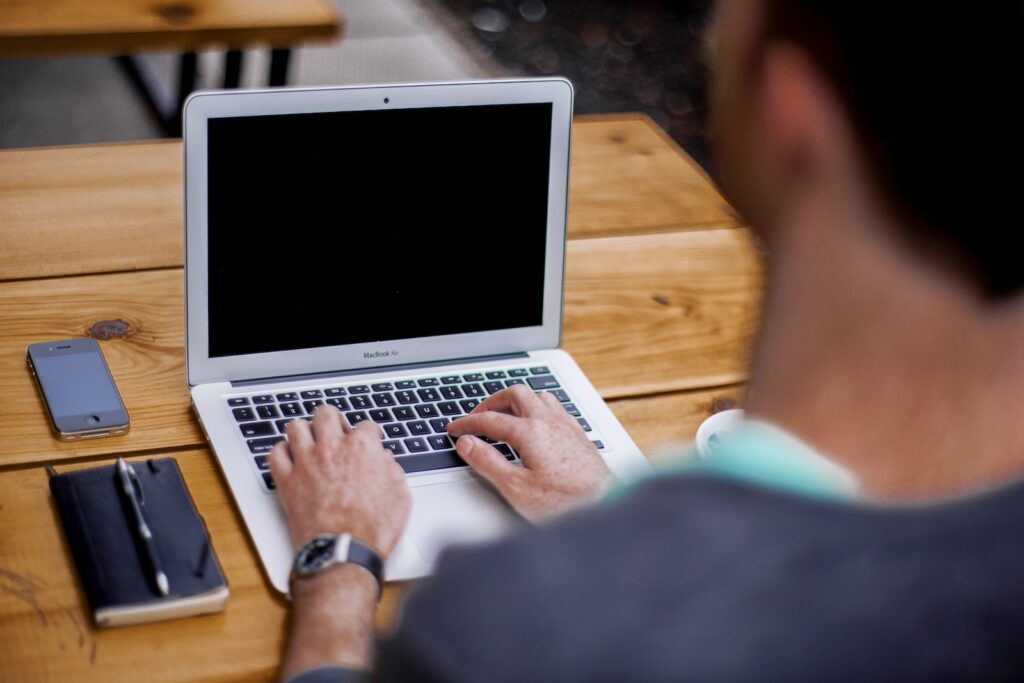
(721, 403)
(109, 329)
(175, 13)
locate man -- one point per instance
(892, 342)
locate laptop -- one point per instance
(394, 251)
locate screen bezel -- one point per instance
(200, 107)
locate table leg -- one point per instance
(232, 68)
(279, 59)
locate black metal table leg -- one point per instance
(232, 68)
(279, 59)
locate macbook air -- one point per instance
(396, 252)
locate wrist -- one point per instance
(349, 580)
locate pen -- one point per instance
(129, 481)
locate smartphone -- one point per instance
(77, 389)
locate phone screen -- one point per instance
(76, 384)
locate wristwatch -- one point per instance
(327, 550)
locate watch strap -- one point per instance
(347, 550)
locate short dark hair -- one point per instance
(933, 93)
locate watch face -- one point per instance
(316, 554)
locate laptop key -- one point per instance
(267, 412)
(239, 401)
(541, 370)
(473, 377)
(361, 402)
(288, 396)
(440, 424)
(469, 404)
(244, 414)
(404, 413)
(394, 446)
(496, 374)
(310, 406)
(572, 409)
(561, 395)
(517, 380)
(359, 389)
(312, 393)
(449, 408)
(518, 372)
(262, 399)
(405, 384)
(451, 379)
(380, 415)
(406, 397)
(598, 444)
(583, 423)
(339, 403)
(428, 395)
(250, 429)
(451, 393)
(395, 430)
(439, 442)
(382, 386)
(438, 460)
(291, 409)
(334, 391)
(258, 446)
(428, 382)
(282, 425)
(543, 382)
(416, 445)
(356, 417)
(263, 462)
(269, 481)
(418, 428)
(472, 390)
(493, 387)
(383, 400)
(505, 450)
(427, 410)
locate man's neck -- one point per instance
(889, 368)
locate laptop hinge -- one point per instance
(379, 368)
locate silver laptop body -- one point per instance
(395, 251)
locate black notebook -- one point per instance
(117, 580)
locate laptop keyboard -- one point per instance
(412, 413)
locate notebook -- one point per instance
(113, 573)
(394, 251)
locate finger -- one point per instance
(300, 438)
(488, 462)
(369, 432)
(494, 425)
(518, 400)
(280, 462)
(327, 423)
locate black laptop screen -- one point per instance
(350, 227)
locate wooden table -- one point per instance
(657, 264)
(49, 28)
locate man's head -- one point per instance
(910, 105)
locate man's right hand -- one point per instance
(561, 467)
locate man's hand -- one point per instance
(333, 479)
(561, 468)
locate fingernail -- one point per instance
(464, 445)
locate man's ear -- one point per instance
(798, 111)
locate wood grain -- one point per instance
(627, 343)
(45, 626)
(663, 312)
(43, 28)
(119, 207)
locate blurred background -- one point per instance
(621, 55)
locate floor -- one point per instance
(81, 100)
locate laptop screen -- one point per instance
(347, 227)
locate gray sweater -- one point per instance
(700, 578)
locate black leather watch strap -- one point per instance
(327, 550)
(367, 557)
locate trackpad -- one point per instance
(456, 512)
